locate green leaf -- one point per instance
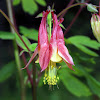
(29, 33)
(41, 2)
(16, 2)
(76, 72)
(22, 52)
(86, 50)
(82, 42)
(75, 86)
(94, 85)
(6, 35)
(91, 8)
(32, 46)
(6, 71)
(29, 6)
(20, 43)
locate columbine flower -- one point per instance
(51, 52)
(95, 24)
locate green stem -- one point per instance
(17, 59)
(16, 53)
(77, 4)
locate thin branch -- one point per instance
(74, 19)
(70, 3)
(77, 4)
(16, 53)
(28, 71)
(14, 29)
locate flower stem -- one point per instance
(28, 71)
(70, 3)
(17, 59)
(74, 19)
(70, 7)
(16, 53)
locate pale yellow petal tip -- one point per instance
(37, 61)
(55, 57)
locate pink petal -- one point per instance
(60, 34)
(44, 57)
(34, 54)
(63, 52)
(69, 65)
(57, 32)
(43, 36)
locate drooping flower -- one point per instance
(95, 24)
(51, 52)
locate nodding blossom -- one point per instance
(51, 51)
(95, 24)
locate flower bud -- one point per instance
(95, 24)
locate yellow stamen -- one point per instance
(50, 76)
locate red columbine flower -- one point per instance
(95, 24)
(51, 52)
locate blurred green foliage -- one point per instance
(30, 6)
(73, 85)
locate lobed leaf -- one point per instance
(20, 43)
(16, 2)
(94, 85)
(29, 6)
(6, 35)
(75, 86)
(29, 33)
(41, 2)
(92, 82)
(82, 42)
(32, 46)
(86, 50)
(6, 71)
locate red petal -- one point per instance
(69, 65)
(60, 34)
(43, 36)
(34, 54)
(44, 57)
(63, 52)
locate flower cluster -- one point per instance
(51, 51)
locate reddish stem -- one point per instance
(74, 19)
(71, 2)
(13, 26)
(27, 70)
